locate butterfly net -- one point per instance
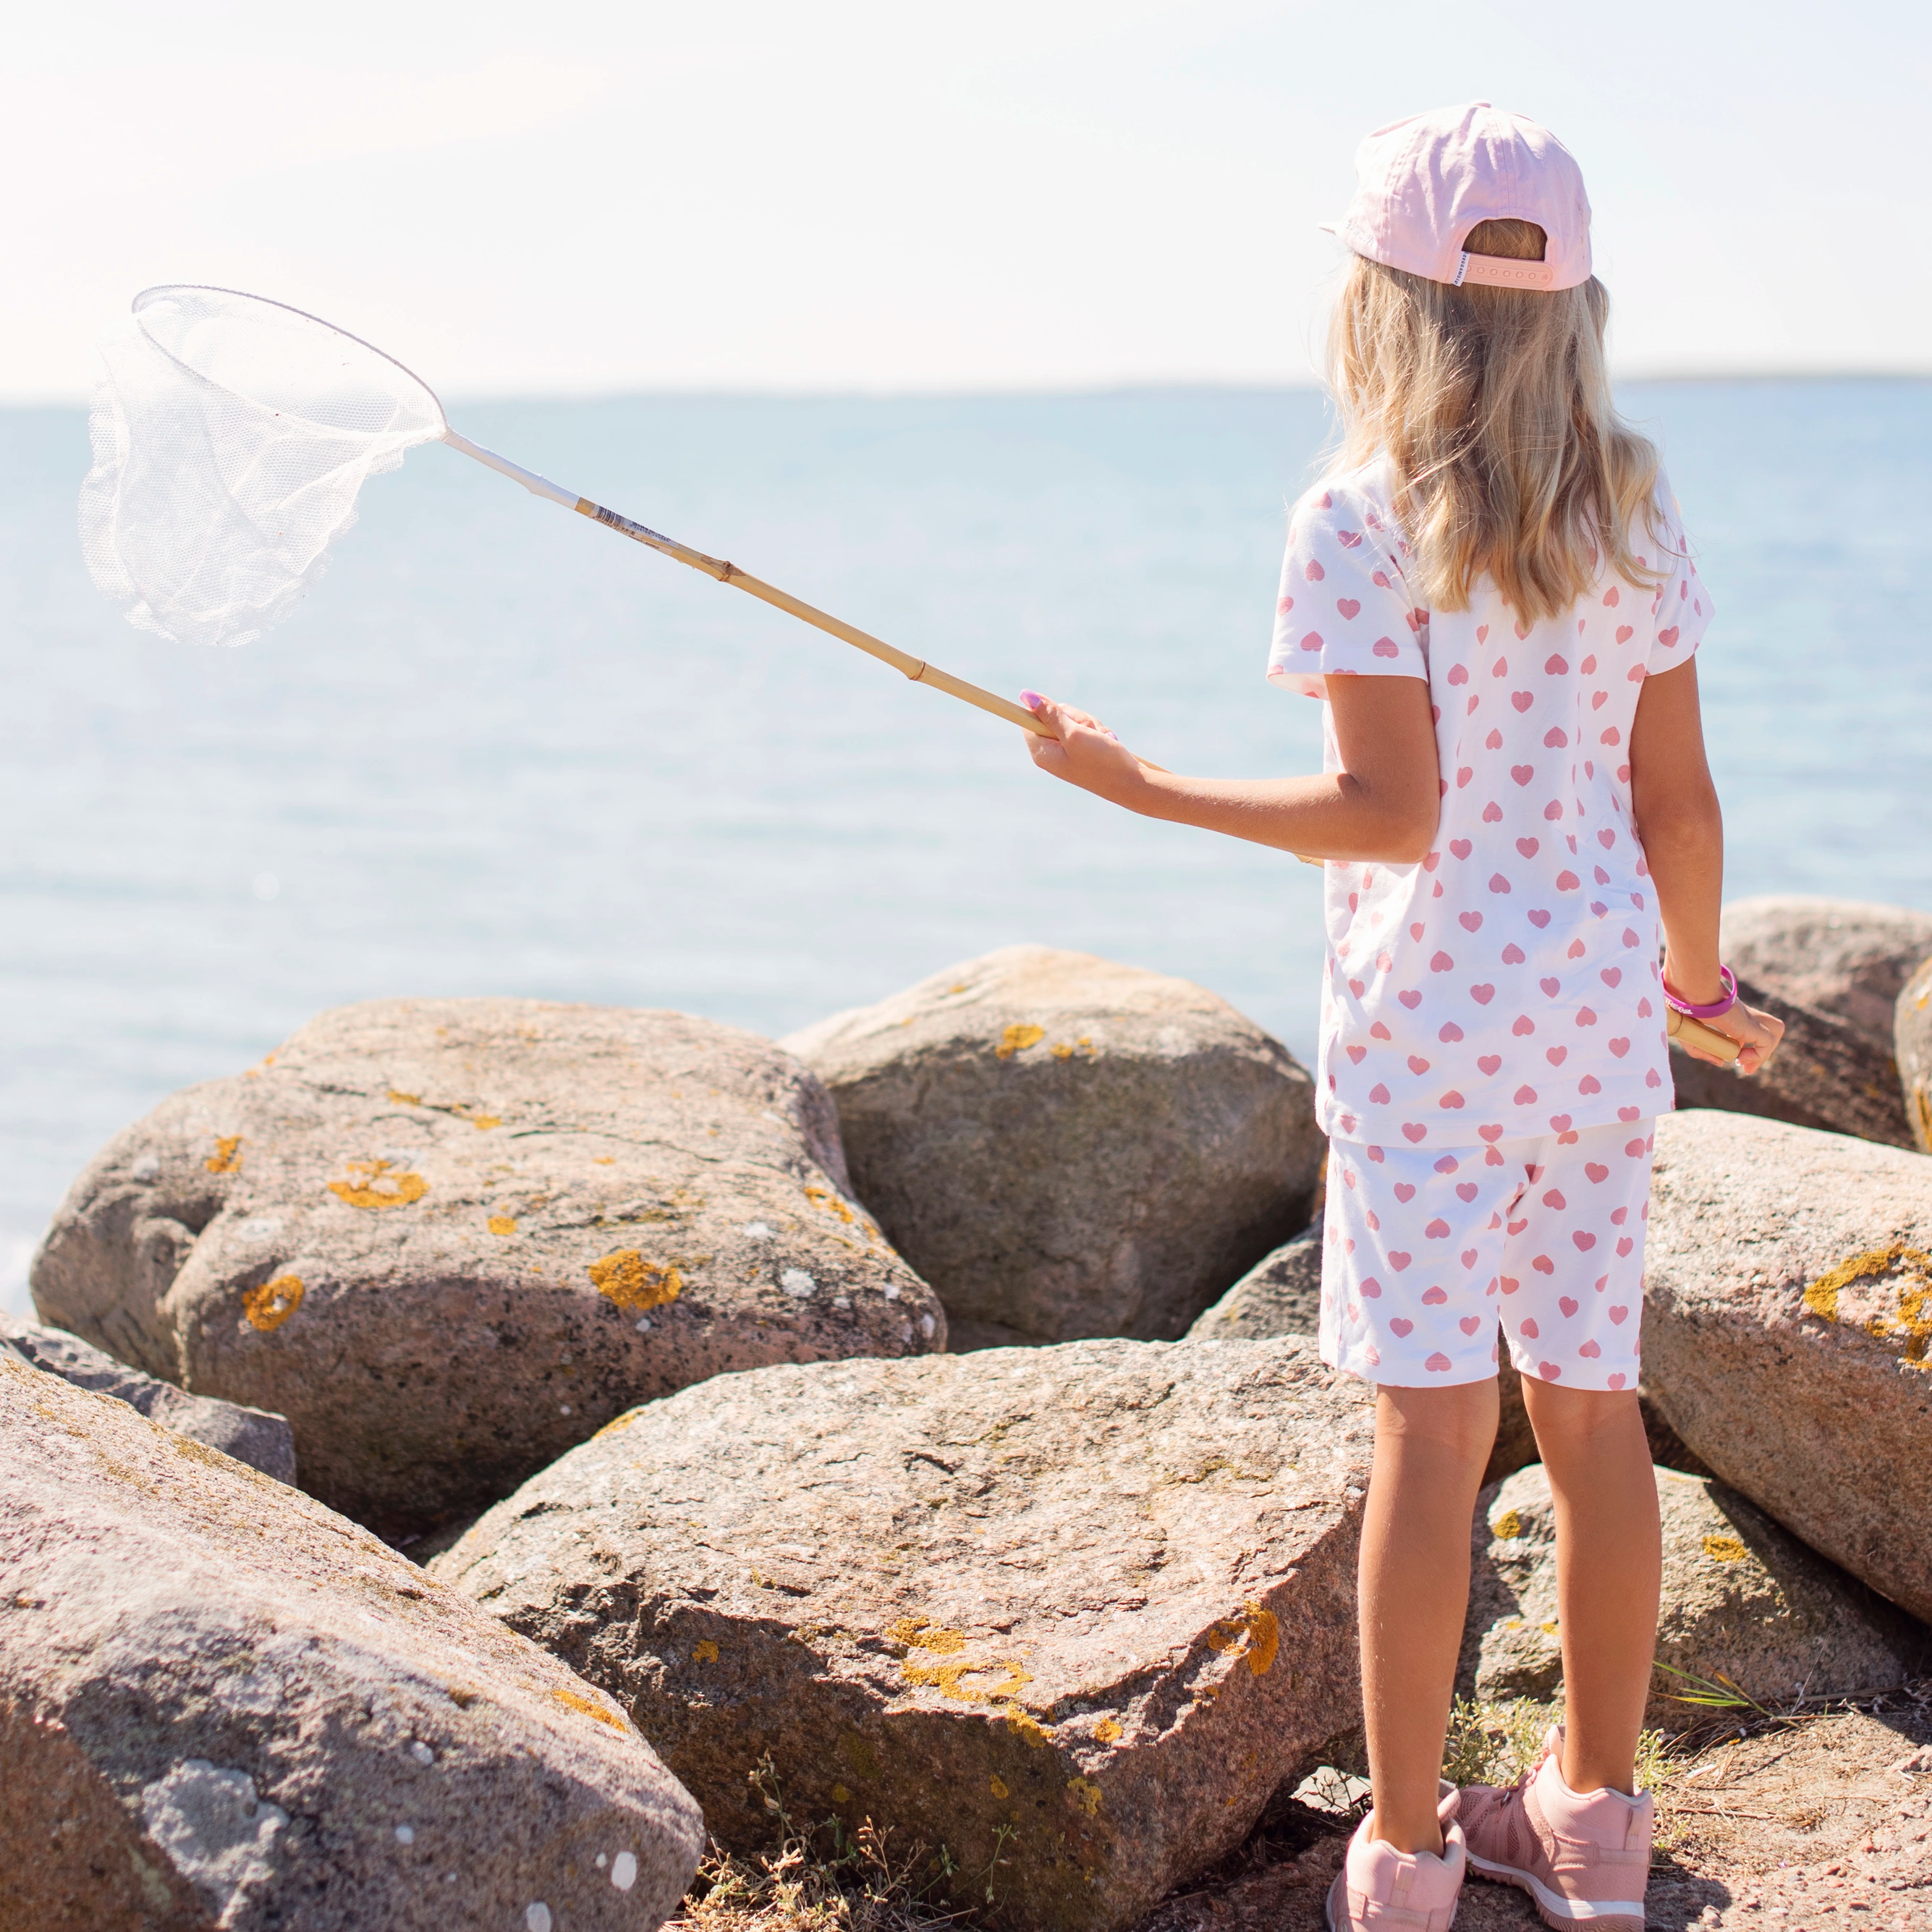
(231, 436)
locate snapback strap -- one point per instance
(1503, 271)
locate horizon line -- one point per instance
(1152, 386)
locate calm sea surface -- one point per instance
(500, 750)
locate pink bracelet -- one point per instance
(1714, 1009)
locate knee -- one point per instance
(1565, 1415)
(1459, 1422)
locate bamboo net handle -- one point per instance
(917, 669)
(1688, 1033)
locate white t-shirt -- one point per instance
(1508, 985)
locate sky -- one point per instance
(850, 196)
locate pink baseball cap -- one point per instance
(1423, 184)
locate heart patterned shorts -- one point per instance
(1425, 1253)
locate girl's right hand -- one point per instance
(1757, 1035)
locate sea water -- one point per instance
(500, 750)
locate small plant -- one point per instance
(859, 1886)
(1497, 1743)
(1716, 1692)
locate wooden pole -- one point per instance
(1689, 1032)
(917, 669)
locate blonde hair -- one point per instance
(1493, 406)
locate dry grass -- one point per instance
(821, 1879)
(1496, 1743)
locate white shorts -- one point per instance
(1424, 1252)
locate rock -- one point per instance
(1063, 1147)
(1668, 1450)
(1840, 956)
(1787, 1319)
(251, 1435)
(220, 1705)
(1742, 1599)
(1072, 1613)
(1281, 1295)
(1827, 1073)
(448, 1239)
(1912, 1039)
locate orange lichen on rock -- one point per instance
(226, 1158)
(502, 1224)
(272, 1304)
(633, 1283)
(1910, 1324)
(397, 1190)
(1017, 1039)
(571, 1701)
(1256, 1634)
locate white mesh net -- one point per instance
(231, 435)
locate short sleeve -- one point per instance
(1344, 608)
(1683, 609)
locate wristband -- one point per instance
(1716, 1008)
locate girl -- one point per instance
(1491, 594)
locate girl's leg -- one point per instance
(1609, 1569)
(1431, 1446)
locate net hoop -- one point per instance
(161, 290)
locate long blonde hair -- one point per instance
(1493, 406)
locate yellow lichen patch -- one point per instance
(1061, 1051)
(840, 1795)
(858, 1754)
(1107, 1731)
(403, 1099)
(1725, 1549)
(1508, 1526)
(377, 1186)
(624, 1421)
(272, 1304)
(483, 1123)
(1907, 1324)
(1256, 1634)
(996, 1786)
(946, 1642)
(502, 1224)
(226, 1158)
(821, 1197)
(1028, 1726)
(571, 1701)
(1016, 1039)
(1085, 1794)
(955, 989)
(706, 1652)
(633, 1283)
(604, 1160)
(1549, 1628)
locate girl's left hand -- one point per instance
(1083, 751)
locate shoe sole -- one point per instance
(1565, 1914)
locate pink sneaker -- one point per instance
(1583, 1860)
(1380, 1889)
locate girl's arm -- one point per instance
(1681, 829)
(1383, 804)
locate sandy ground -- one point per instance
(1822, 1821)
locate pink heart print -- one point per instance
(1386, 647)
(1568, 1303)
(1435, 1298)
(1522, 699)
(1349, 607)
(1469, 1324)
(1403, 1326)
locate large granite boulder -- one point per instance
(448, 1239)
(1827, 1073)
(222, 1705)
(1281, 1294)
(251, 1435)
(1912, 1041)
(1063, 1147)
(1742, 1600)
(1070, 1613)
(1787, 1331)
(1839, 956)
